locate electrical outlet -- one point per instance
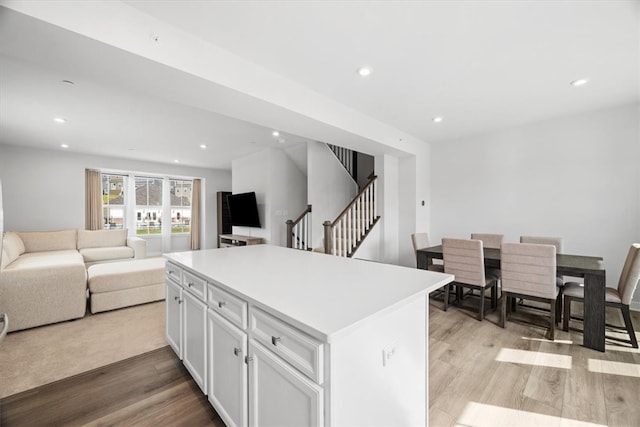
(387, 354)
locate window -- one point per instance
(113, 200)
(180, 191)
(148, 205)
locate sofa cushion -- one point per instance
(101, 238)
(42, 241)
(117, 276)
(49, 260)
(106, 254)
(12, 248)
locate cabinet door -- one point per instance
(194, 332)
(227, 370)
(174, 317)
(278, 394)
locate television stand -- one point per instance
(228, 240)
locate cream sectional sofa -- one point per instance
(43, 275)
(109, 245)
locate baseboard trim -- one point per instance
(635, 305)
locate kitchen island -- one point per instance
(278, 336)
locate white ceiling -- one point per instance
(482, 65)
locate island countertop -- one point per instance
(323, 295)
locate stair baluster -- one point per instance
(299, 231)
(345, 234)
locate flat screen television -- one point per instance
(243, 209)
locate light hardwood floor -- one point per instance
(479, 375)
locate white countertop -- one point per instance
(324, 295)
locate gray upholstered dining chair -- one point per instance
(619, 297)
(490, 241)
(529, 272)
(419, 241)
(465, 259)
(557, 242)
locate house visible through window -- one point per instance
(113, 201)
(180, 191)
(148, 205)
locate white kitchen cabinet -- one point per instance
(174, 316)
(227, 370)
(278, 394)
(194, 336)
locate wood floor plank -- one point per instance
(140, 388)
(584, 398)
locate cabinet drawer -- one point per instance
(196, 285)
(228, 306)
(173, 272)
(294, 346)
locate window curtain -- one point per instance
(93, 199)
(195, 214)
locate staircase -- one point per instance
(344, 235)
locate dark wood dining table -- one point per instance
(588, 267)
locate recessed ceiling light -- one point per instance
(579, 82)
(64, 145)
(275, 133)
(68, 82)
(176, 161)
(438, 119)
(203, 146)
(59, 120)
(364, 71)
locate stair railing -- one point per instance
(299, 231)
(347, 158)
(344, 235)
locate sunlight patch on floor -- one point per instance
(534, 358)
(614, 368)
(622, 348)
(482, 415)
(568, 342)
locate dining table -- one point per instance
(590, 268)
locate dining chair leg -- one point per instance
(567, 314)
(559, 307)
(503, 309)
(627, 323)
(481, 314)
(552, 320)
(494, 296)
(446, 296)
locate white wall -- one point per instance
(44, 189)
(575, 177)
(329, 187)
(280, 189)
(388, 205)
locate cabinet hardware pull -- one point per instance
(190, 284)
(237, 351)
(171, 271)
(176, 298)
(221, 303)
(275, 340)
(248, 359)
